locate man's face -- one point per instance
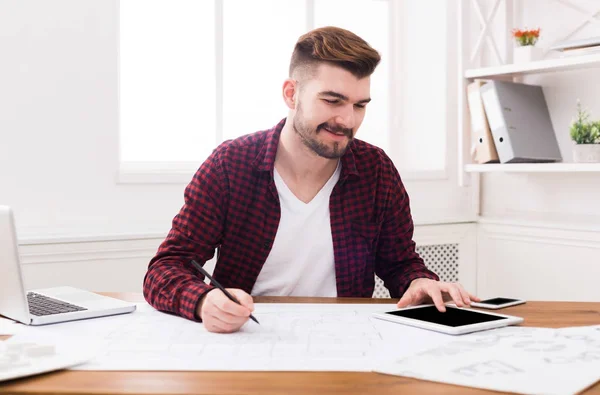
(330, 108)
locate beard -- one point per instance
(309, 137)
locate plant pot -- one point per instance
(527, 53)
(586, 153)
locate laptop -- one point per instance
(49, 305)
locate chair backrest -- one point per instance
(442, 259)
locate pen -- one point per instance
(216, 283)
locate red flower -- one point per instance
(529, 33)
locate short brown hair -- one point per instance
(335, 46)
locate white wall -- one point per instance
(539, 233)
(116, 265)
(537, 261)
(59, 124)
(59, 149)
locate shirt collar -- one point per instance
(265, 160)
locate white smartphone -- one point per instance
(497, 303)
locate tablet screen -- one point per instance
(498, 301)
(452, 317)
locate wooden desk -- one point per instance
(541, 314)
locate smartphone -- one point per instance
(497, 303)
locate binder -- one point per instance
(481, 136)
(520, 122)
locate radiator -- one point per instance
(442, 259)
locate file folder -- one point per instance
(481, 136)
(520, 122)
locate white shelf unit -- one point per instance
(508, 71)
(571, 62)
(532, 167)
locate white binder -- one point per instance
(520, 122)
(484, 150)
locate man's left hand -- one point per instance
(424, 290)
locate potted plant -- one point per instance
(526, 51)
(586, 136)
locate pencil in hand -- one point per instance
(216, 284)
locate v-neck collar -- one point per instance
(298, 204)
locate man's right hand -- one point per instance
(222, 315)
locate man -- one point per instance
(301, 209)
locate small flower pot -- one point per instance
(586, 153)
(527, 53)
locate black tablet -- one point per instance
(455, 321)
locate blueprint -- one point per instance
(315, 337)
(513, 359)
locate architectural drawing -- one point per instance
(314, 337)
(487, 368)
(513, 359)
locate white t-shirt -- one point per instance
(301, 261)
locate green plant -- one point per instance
(582, 131)
(595, 131)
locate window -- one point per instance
(256, 56)
(370, 20)
(422, 142)
(195, 73)
(167, 80)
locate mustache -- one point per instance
(336, 129)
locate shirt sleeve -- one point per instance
(172, 284)
(397, 263)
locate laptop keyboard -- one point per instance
(43, 305)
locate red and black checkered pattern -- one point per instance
(232, 205)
